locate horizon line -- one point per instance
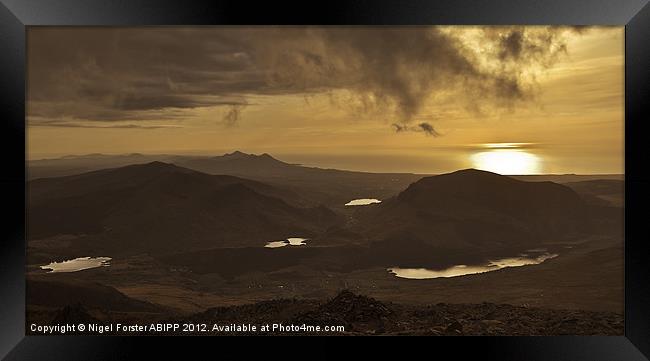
(73, 156)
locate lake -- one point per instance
(77, 264)
(362, 202)
(461, 270)
(292, 241)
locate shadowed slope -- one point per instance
(159, 207)
(477, 209)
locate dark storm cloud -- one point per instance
(423, 127)
(428, 129)
(511, 45)
(114, 74)
(526, 45)
(233, 114)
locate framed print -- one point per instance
(337, 169)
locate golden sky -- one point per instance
(410, 99)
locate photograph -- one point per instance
(439, 180)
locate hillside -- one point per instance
(331, 187)
(474, 210)
(159, 207)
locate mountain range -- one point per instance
(158, 207)
(331, 187)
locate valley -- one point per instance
(181, 241)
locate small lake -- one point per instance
(362, 202)
(293, 241)
(461, 270)
(77, 264)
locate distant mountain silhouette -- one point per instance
(77, 164)
(473, 209)
(237, 163)
(159, 207)
(329, 186)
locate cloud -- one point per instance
(130, 101)
(423, 127)
(528, 45)
(428, 129)
(119, 74)
(399, 128)
(65, 124)
(233, 114)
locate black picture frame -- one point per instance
(16, 15)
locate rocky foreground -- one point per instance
(361, 315)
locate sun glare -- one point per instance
(507, 161)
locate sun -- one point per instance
(507, 162)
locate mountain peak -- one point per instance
(241, 155)
(266, 156)
(460, 181)
(472, 171)
(155, 166)
(236, 154)
(489, 189)
(157, 163)
(472, 174)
